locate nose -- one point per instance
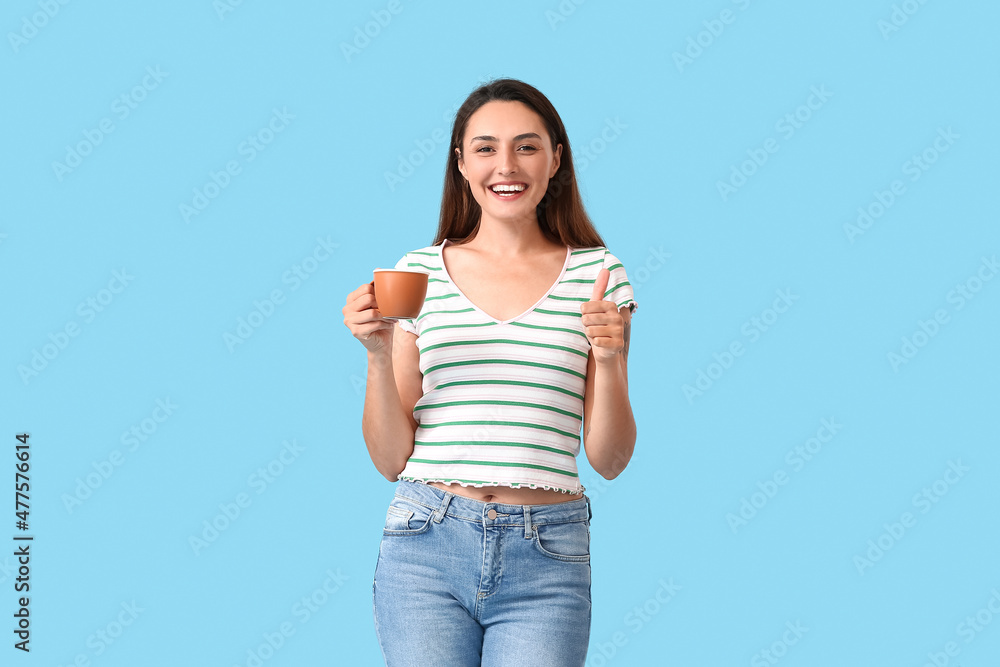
(508, 160)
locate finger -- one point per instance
(598, 307)
(600, 285)
(603, 331)
(367, 288)
(360, 304)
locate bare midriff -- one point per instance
(507, 495)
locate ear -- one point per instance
(556, 160)
(461, 163)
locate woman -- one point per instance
(475, 406)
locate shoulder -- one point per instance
(428, 256)
(580, 257)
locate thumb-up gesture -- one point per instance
(602, 322)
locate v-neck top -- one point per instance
(447, 276)
(502, 401)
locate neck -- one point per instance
(511, 238)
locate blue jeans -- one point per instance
(460, 582)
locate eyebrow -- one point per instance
(526, 135)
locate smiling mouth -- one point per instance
(508, 191)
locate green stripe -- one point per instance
(557, 312)
(443, 296)
(502, 341)
(615, 266)
(522, 404)
(520, 383)
(428, 254)
(515, 362)
(490, 422)
(498, 464)
(445, 312)
(567, 298)
(612, 289)
(460, 326)
(577, 280)
(429, 268)
(596, 261)
(494, 444)
(410, 478)
(514, 485)
(582, 252)
(624, 302)
(539, 326)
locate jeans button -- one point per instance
(492, 514)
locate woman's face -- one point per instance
(507, 158)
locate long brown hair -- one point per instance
(560, 213)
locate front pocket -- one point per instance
(564, 541)
(397, 518)
(406, 518)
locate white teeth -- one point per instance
(507, 188)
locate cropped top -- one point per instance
(502, 401)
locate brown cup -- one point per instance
(400, 292)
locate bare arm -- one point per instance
(393, 385)
(608, 424)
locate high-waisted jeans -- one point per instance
(460, 582)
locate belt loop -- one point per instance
(528, 532)
(440, 511)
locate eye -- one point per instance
(484, 148)
(527, 147)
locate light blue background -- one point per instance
(652, 192)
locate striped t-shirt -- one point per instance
(502, 401)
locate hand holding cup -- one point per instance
(362, 317)
(400, 292)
